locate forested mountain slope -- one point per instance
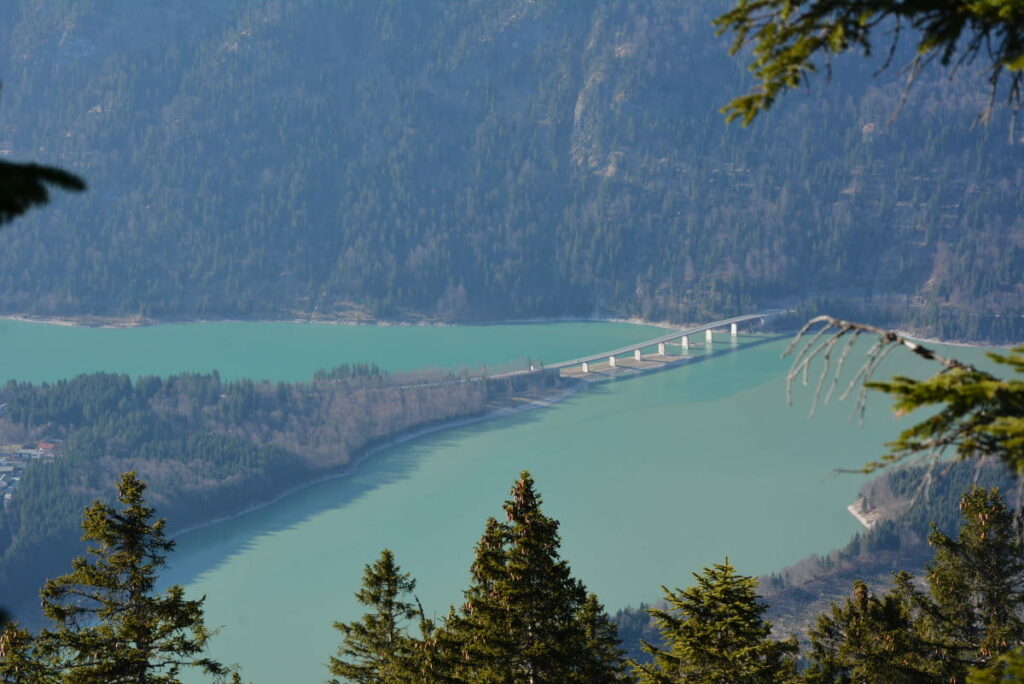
(486, 160)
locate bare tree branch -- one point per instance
(823, 344)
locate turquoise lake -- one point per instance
(292, 351)
(651, 476)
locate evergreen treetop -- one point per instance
(525, 618)
(603, 659)
(715, 631)
(977, 580)
(108, 625)
(871, 639)
(968, 619)
(376, 647)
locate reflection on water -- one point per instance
(651, 478)
(208, 549)
(235, 536)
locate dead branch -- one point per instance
(824, 343)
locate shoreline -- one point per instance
(360, 458)
(856, 509)
(399, 439)
(124, 323)
(947, 343)
(114, 323)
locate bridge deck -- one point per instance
(675, 335)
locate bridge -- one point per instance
(679, 337)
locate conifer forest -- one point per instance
(847, 172)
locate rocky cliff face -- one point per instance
(878, 502)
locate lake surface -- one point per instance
(293, 351)
(652, 477)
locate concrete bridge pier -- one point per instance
(586, 367)
(708, 337)
(661, 348)
(732, 329)
(684, 342)
(611, 362)
(636, 354)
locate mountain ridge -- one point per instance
(466, 162)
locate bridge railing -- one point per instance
(664, 339)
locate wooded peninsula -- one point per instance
(208, 448)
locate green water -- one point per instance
(293, 351)
(651, 478)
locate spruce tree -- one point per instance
(477, 642)
(376, 648)
(1008, 667)
(110, 626)
(873, 640)
(977, 581)
(539, 591)
(18, 661)
(525, 618)
(970, 615)
(603, 660)
(715, 632)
